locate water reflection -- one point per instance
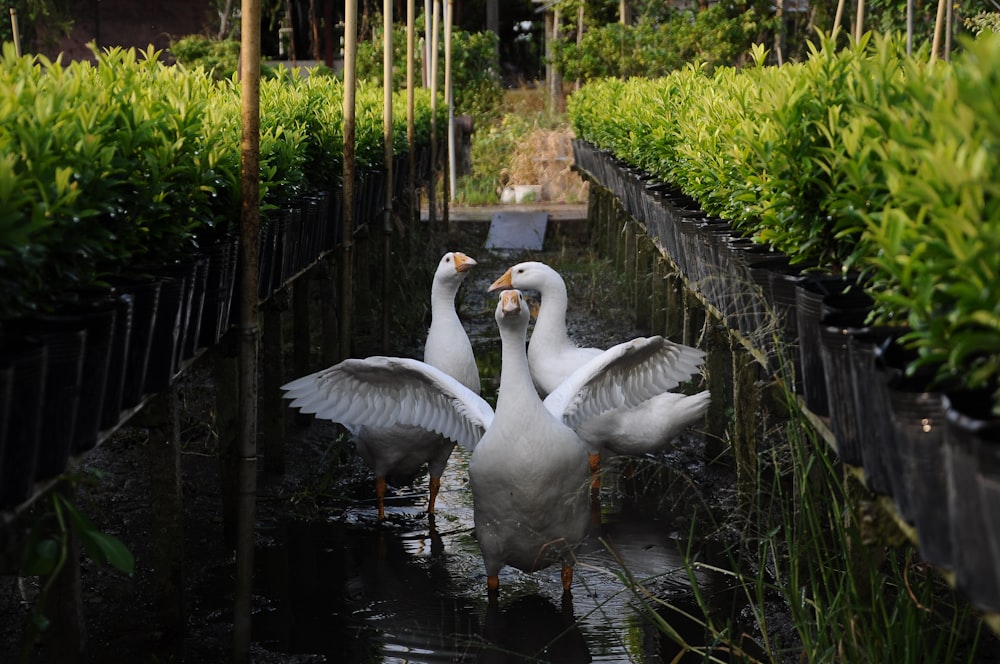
(413, 589)
(532, 627)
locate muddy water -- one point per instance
(413, 589)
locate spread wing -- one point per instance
(380, 391)
(623, 376)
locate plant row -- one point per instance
(127, 161)
(860, 160)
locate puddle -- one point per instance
(414, 589)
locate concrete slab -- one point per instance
(517, 230)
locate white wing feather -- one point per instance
(623, 376)
(382, 391)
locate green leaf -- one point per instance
(112, 551)
(42, 558)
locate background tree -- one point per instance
(40, 22)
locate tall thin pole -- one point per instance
(432, 185)
(347, 239)
(909, 27)
(859, 21)
(428, 31)
(387, 138)
(450, 100)
(15, 32)
(411, 20)
(249, 330)
(948, 30)
(938, 28)
(838, 17)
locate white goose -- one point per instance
(553, 357)
(527, 470)
(402, 450)
(447, 346)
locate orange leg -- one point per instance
(595, 473)
(380, 496)
(435, 488)
(493, 584)
(567, 577)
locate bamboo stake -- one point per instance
(432, 184)
(938, 28)
(909, 27)
(450, 101)
(949, 29)
(347, 232)
(15, 32)
(249, 332)
(410, 94)
(859, 21)
(838, 17)
(387, 138)
(428, 32)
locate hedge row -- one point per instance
(128, 161)
(862, 159)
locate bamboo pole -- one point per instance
(938, 28)
(550, 85)
(450, 101)
(909, 27)
(249, 332)
(579, 38)
(411, 10)
(347, 239)
(387, 138)
(432, 184)
(838, 17)
(15, 32)
(428, 33)
(949, 30)
(859, 21)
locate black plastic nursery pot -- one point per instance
(843, 316)
(872, 407)
(99, 314)
(750, 314)
(145, 294)
(782, 285)
(166, 337)
(64, 336)
(24, 365)
(810, 294)
(972, 442)
(197, 289)
(289, 228)
(219, 281)
(117, 359)
(918, 427)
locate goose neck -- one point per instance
(551, 319)
(515, 378)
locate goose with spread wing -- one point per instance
(398, 450)
(552, 358)
(528, 468)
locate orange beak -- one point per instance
(463, 263)
(505, 281)
(510, 302)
